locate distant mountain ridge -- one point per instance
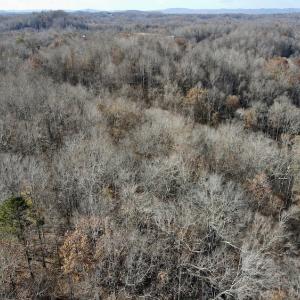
(170, 11)
(261, 11)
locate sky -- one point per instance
(143, 4)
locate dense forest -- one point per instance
(149, 156)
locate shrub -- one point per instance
(266, 202)
(117, 56)
(233, 103)
(283, 117)
(120, 118)
(198, 105)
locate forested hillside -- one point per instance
(149, 156)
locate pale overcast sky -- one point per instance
(143, 4)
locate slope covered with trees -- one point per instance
(149, 156)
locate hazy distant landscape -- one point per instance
(262, 11)
(150, 154)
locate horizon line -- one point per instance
(145, 10)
